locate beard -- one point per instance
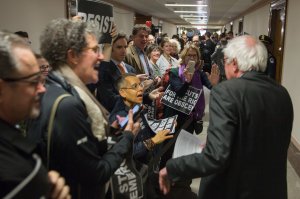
(35, 112)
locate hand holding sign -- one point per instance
(114, 33)
(161, 136)
(187, 75)
(156, 93)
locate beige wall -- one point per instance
(169, 28)
(257, 22)
(124, 20)
(30, 16)
(235, 27)
(291, 63)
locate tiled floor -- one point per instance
(292, 177)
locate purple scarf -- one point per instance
(198, 111)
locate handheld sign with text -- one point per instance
(126, 182)
(166, 123)
(183, 104)
(99, 12)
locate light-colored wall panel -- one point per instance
(235, 27)
(30, 16)
(124, 20)
(257, 22)
(291, 69)
(169, 28)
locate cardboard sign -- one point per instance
(183, 104)
(99, 12)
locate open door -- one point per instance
(277, 30)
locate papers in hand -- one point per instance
(187, 144)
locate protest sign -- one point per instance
(158, 125)
(183, 104)
(151, 111)
(126, 182)
(99, 12)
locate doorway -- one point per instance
(277, 31)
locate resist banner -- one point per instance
(99, 12)
(183, 104)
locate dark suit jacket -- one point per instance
(132, 58)
(107, 93)
(247, 141)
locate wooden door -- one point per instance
(277, 31)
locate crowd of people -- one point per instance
(75, 102)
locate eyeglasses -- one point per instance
(192, 55)
(44, 67)
(33, 82)
(97, 49)
(135, 86)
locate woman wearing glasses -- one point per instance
(190, 73)
(180, 79)
(78, 145)
(146, 143)
(45, 68)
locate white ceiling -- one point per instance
(219, 12)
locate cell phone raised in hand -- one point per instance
(136, 114)
(191, 66)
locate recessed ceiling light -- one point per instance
(184, 5)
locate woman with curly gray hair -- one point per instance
(78, 146)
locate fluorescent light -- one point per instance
(188, 11)
(200, 22)
(196, 21)
(198, 18)
(184, 5)
(193, 16)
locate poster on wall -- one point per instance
(96, 11)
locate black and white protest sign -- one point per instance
(183, 104)
(166, 123)
(151, 111)
(126, 182)
(99, 12)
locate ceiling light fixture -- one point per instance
(196, 20)
(184, 5)
(200, 22)
(188, 11)
(193, 16)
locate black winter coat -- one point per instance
(75, 152)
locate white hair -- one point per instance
(174, 41)
(250, 53)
